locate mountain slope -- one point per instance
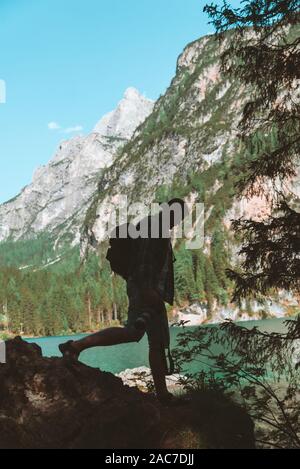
(187, 146)
(191, 132)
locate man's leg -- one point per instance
(105, 338)
(119, 335)
(108, 337)
(158, 369)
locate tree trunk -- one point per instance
(115, 316)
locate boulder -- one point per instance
(51, 403)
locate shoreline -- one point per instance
(6, 335)
(10, 335)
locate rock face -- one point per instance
(51, 403)
(57, 199)
(196, 314)
(131, 111)
(141, 378)
(192, 128)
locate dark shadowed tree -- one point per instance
(262, 52)
(257, 369)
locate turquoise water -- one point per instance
(120, 357)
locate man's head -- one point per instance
(174, 212)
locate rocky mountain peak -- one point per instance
(132, 94)
(60, 191)
(131, 111)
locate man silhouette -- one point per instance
(150, 284)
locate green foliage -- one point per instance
(257, 369)
(266, 63)
(67, 298)
(45, 302)
(200, 277)
(185, 281)
(26, 253)
(220, 256)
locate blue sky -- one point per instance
(70, 61)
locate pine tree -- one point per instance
(219, 256)
(212, 288)
(184, 275)
(262, 53)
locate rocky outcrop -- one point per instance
(51, 403)
(141, 378)
(123, 121)
(197, 313)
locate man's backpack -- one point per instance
(120, 252)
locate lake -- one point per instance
(121, 357)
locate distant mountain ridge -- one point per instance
(57, 199)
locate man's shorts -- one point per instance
(155, 322)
